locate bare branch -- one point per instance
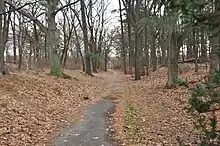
(16, 9)
(63, 7)
(28, 15)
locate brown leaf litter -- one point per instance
(34, 105)
(161, 119)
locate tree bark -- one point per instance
(203, 56)
(2, 49)
(153, 50)
(55, 67)
(122, 39)
(14, 39)
(78, 47)
(37, 47)
(137, 42)
(172, 61)
(214, 42)
(85, 35)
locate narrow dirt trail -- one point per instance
(94, 128)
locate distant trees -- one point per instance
(38, 31)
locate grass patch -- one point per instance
(110, 98)
(131, 123)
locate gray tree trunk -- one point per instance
(2, 49)
(172, 61)
(215, 44)
(85, 36)
(122, 39)
(52, 46)
(137, 42)
(153, 50)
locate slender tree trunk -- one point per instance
(137, 42)
(30, 56)
(203, 56)
(146, 48)
(195, 49)
(122, 39)
(153, 50)
(163, 49)
(4, 29)
(2, 63)
(20, 50)
(45, 47)
(85, 35)
(14, 40)
(37, 47)
(106, 59)
(78, 47)
(189, 48)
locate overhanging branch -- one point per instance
(16, 9)
(63, 7)
(28, 15)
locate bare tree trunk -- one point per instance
(137, 42)
(189, 48)
(129, 39)
(55, 67)
(172, 61)
(20, 49)
(85, 35)
(214, 42)
(106, 59)
(203, 56)
(122, 39)
(37, 47)
(195, 49)
(163, 48)
(153, 50)
(146, 48)
(2, 63)
(14, 39)
(4, 28)
(78, 47)
(214, 57)
(30, 57)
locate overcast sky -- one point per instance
(114, 5)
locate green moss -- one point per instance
(55, 68)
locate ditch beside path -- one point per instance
(94, 128)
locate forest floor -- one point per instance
(35, 105)
(149, 114)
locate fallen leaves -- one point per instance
(161, 119)
(34, 105)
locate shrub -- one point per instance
(202, 105)
(182, 82)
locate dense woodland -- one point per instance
(150, 34)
